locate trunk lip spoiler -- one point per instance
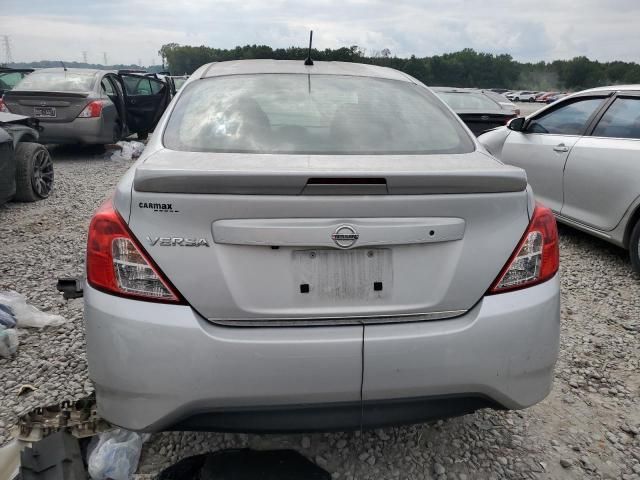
(44, 93)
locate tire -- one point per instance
(34, 172)
(517, 99)
(531, 100)
(634, 247)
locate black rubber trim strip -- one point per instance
(335, 417)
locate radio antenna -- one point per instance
(63, 65)
(308, 61)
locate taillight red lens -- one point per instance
(117, 264)
(3, 107)
(536, 259)
(92, 110)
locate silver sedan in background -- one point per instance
(582, 158)
(88, 106)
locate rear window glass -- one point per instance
(324, 114)
(11, 79)
(58, 82)
(468, 101)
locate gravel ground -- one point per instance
(588, 427)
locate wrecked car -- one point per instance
(317, 246)
(88, 106)
(26, 169)
(10, 77)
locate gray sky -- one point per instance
(132, 30)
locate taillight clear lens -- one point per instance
(133, 273)
(117, 264)
(92, 110)
(536, 258)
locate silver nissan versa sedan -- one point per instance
(317, 247)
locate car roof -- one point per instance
(243, 67)
(614, 88)
(74, 70)
(457, 89)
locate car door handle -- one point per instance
(561, 148)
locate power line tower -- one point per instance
(104, 57)
(6, 44)
(84, 56)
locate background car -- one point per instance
(581, 156)
(26, 169)
(555, 97)
(334, 250)
(88, 106)
(522, 96)
(480, 110)
(10, 77)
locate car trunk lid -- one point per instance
(254, 239)
(47, 106)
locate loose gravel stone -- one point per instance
(570, 434)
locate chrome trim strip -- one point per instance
(324, 321)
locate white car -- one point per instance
(581, 155)
(522, 96)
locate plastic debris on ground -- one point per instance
(56, 457)
(115, 454)
(8, 342)
(246, 464)
(127, 150)
(7, 319)
(27, 315)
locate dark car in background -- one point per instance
(89, 106)
(10, 77)
(26, 169)
(480, 110)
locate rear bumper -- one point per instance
(79, 130)
(161, 367)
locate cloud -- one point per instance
(134, 30)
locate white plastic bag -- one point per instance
(136, 149)
(27, 315)
(128, 150)
(115, 454)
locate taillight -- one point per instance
(117, 263)
(92, 110)
(3, 107)
(536, 258)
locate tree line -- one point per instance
(466, 68)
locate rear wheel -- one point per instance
(517, 99)
(34, 172)
(634, 247)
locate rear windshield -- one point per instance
(323, 114)
(468, 101)
(58, 82)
